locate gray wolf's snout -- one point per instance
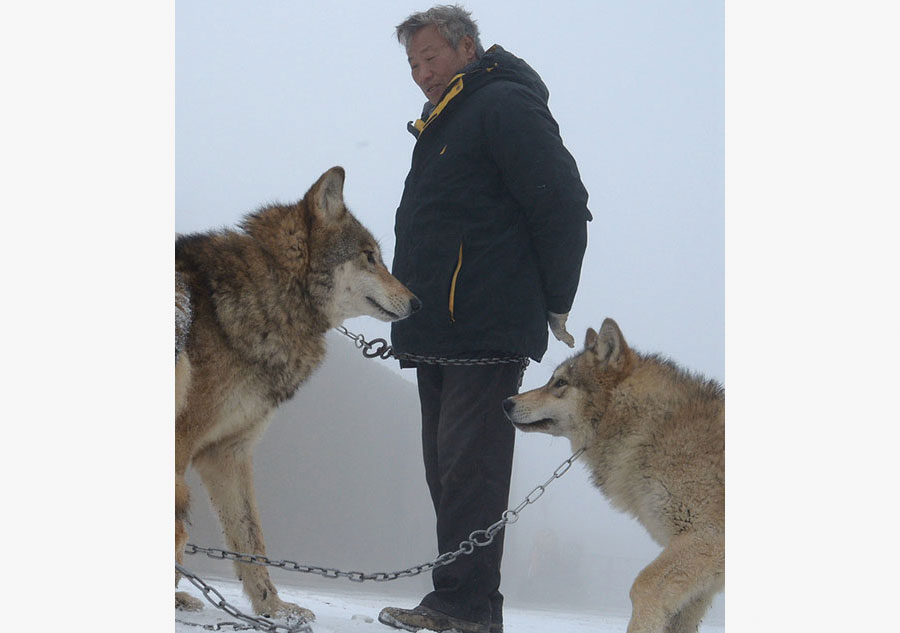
(508, 406)
(415, 304)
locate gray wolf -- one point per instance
(261, 300)
(655, 446)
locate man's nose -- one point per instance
(424, 75)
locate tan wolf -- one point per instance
(261, 301)
(655, 445)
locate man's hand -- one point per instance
(557, 324)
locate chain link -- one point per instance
(218, 626)
(379, 348)
(478, 538)
(259, 623)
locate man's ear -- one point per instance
(468, 44)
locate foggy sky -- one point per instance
(268, 98)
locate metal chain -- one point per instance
(478, 538)
(259, 623)
(218, 626)
(379, 348)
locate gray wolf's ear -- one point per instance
(609, 345)
(328, 195)
(590, 338)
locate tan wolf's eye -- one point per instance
(370, 255)
(560, 382)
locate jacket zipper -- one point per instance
(453, 283)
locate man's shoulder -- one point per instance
(506, 86)
(506, 95)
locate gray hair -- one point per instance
(453, 22)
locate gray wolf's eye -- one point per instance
(370, 255)
(560, 382)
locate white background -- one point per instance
(88, 128)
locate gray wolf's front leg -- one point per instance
(227, 473)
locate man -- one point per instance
(490, 234)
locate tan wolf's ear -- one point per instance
(609, 345)
(590, 338)
(328, 195)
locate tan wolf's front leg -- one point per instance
(688, 619)
(688, 570)
(227, 473)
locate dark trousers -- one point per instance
(468, 449)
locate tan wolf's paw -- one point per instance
(186, 602)
(278, 608)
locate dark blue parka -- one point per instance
(491, 229)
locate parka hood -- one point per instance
(496, 64)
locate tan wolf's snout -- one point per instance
(529, 414)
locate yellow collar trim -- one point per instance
(454, 90)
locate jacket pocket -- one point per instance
(452, 302)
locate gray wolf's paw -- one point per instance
(278, 608)
(186, 602)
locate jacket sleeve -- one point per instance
(523, 140)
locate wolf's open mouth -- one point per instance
(393, 316)
(540, 425)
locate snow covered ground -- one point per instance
(342, 610)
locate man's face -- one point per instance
(434, 62)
